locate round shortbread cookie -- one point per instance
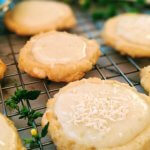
(94, 114)
(145, 78)
(129, 34)
(60, 56)
(9, 138)
(35, 16)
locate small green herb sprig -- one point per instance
(33, 142)
(103, 9)
(17, 102)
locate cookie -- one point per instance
(145, 78)
(32, 17)
(2, 69)
(129, 34)
(60, 56)
(9, 138)
(94, 114)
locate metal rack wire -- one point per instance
(111, 65)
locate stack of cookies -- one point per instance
(87, 114)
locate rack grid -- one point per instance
(111, 65)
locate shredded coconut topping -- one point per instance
(98, 111)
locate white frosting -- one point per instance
(59, 48)
(7, 136)
(135, 28)
(38, 13)
(101, 115)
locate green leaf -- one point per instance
(32, 115)
(127, 7)
(24, 112)
(27, 141)
(31, 143)
(20, 93)
(12, 104)
(24, 94)
(37, 115)
(45, 130)
(32, 95)
(30, 122)
(104, 2)
(141, 2)
(104, 13)
(67, 1)
(85, 4)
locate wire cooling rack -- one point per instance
(111, 65)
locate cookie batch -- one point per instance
(86, 114)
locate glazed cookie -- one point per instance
(145, 78)
(60, 56)
(9, 138)
(2, 69)
(129, 34)
(32, 17)
(94, 114)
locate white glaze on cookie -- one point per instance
(31, 13)
(134, 28)
(59, 48)
(103, 115)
